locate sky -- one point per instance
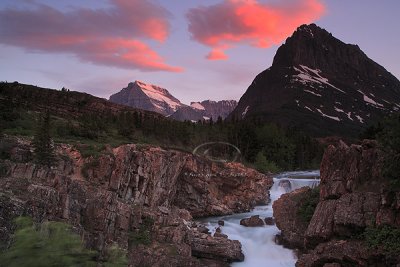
(196, 49)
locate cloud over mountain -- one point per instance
(253, 22)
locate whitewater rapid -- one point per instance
(258, 243)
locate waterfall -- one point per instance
(258, 243)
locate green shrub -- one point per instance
(54, 244)
(387, 237)
(307, 208)
(48, 244)
(389, 139)
(142, 236)
(115, 257)
(263, 165)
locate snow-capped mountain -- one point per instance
(148, 97)
(322, 86)
(155, 98)
(205, 110)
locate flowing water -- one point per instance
(258, 243)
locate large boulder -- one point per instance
(287, 219)
(253, 221)
(216, 248)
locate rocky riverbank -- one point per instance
(353, 199)
(141, 197)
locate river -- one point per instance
(258, 243)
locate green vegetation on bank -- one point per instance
(385, 236)
(387, 132)
(308, 206)
(142, 236)
(54, 244)
(267, 147)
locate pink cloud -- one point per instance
(250, 22)
(113, 36)
(217, 54)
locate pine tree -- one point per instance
(42, 142)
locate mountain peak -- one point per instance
(321, 85)
(310, 30)
(316, 48)
(148, 97)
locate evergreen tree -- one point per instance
(125, 124)
(263, 165)
(42, 142)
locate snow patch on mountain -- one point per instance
(159, 94)
(311, 92)
(348, 114)
(197, 105)
(245, 111)
(308, 75)
(327, 116)
(360, 119)
(369, 100)
(308, 108)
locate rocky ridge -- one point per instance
(131, 192)
(353, 196)
(155, 98)
(205, 110)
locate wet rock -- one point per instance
(287, 219)
(217, 248)
(219, 234)
(221, 222)
(253, 221)
(269, 221)
(203, 229)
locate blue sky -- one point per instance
(174, 57)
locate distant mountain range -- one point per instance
(154, 98)
(320, 85)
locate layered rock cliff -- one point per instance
(353, 197)
(141, 197)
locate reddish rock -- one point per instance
(107, 199)
(286, 217)
(343, 253)
(346, 169)
(218, 234)
(353, 195)
(269, 221)
(253, 221)
(217, 248)
(207, 188)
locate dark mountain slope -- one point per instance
(322, 86)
